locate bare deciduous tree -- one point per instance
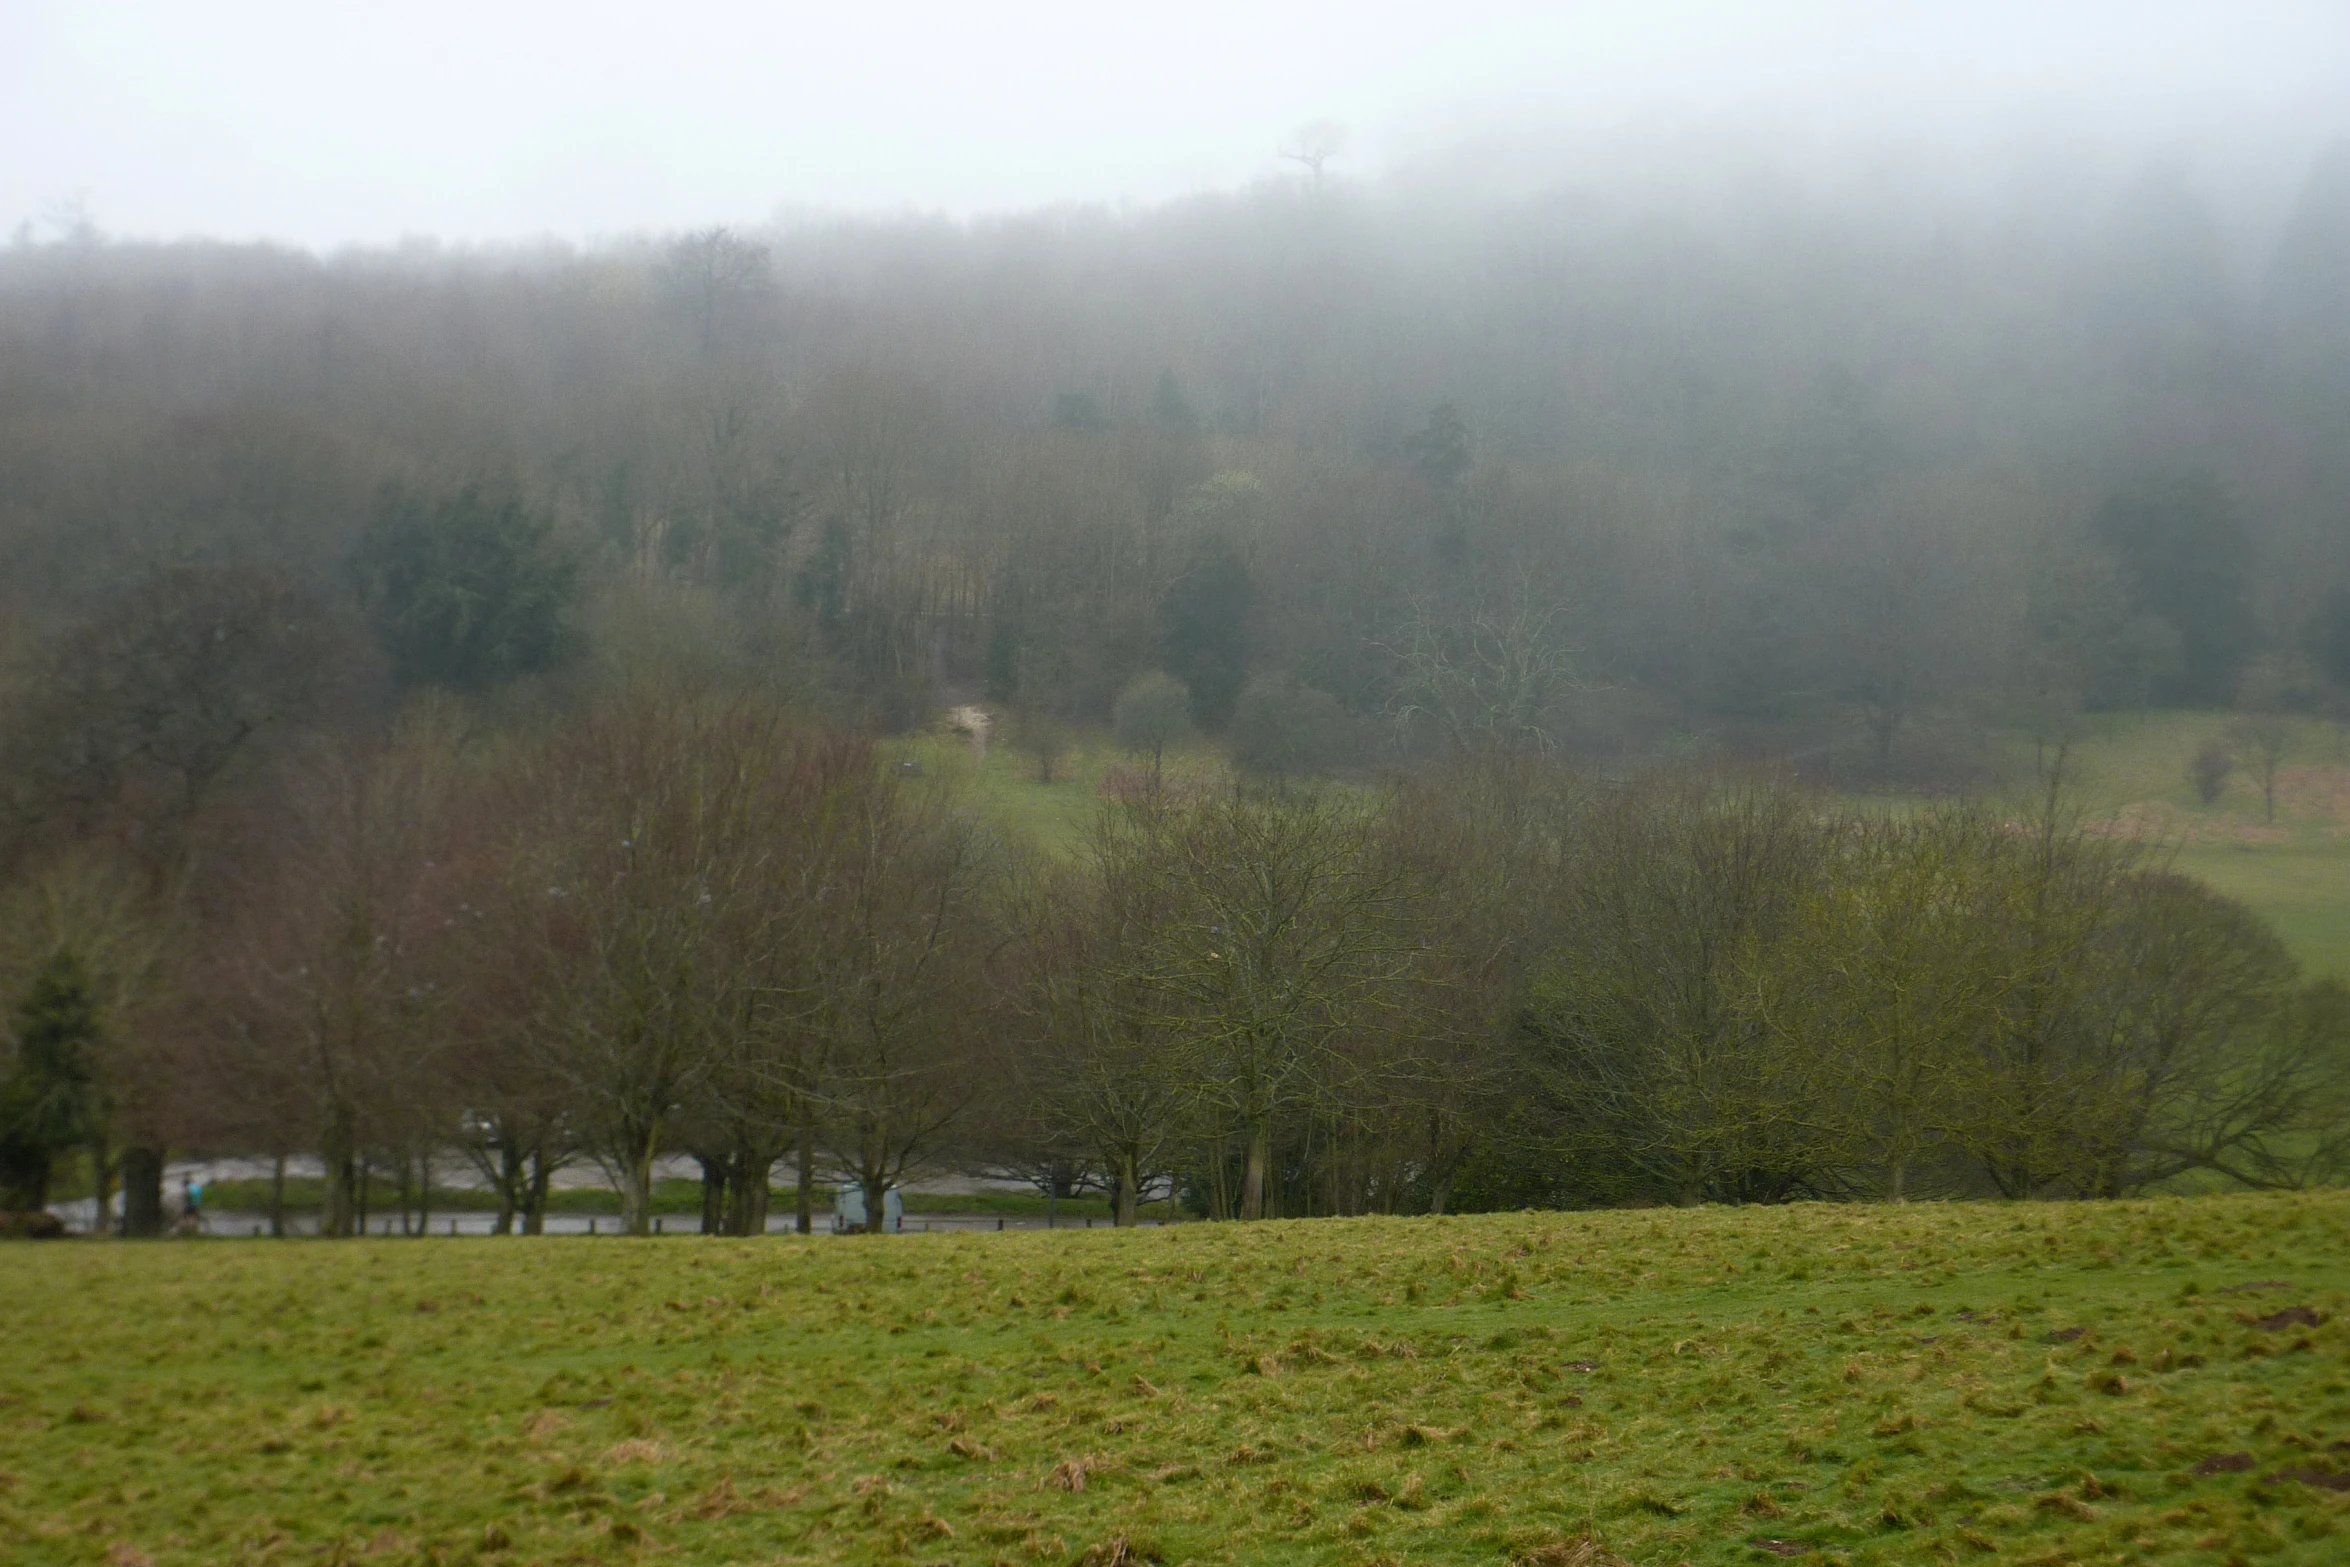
(637, 842)
(2263, 743)
(716, 275)
(903, 926)
(326, 998)
(1280, 933)
(1314, 144)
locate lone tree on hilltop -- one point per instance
(1313, 144)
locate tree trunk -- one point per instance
(424, 1191)
(334, 1217)
(636, 1193)
(1253, 1174)
(876, 1186)
(1124, 1218)
(142, 1191)
(754, 1169)
(102, 1184)
(714, 1173)
(509, 1180)
(534, 1213)
(1439, 1173)
(1897, 1182)
(277, 1197)
(804, 1204)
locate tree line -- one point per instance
(702, 921)
(332, 589)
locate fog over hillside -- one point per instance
(1331, 609)
(1777, 442)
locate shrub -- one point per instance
(1284, 729)
(2209, 770)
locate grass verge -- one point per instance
(2161, 1380)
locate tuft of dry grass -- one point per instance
(1582, 1551)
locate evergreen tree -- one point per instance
(1204, 628)
(2329, 636)
(1170, 407)
(1282, 728)
(2305, 305)
(51, 1100)
(2186, 559)
(468, 590)
(1441, 451)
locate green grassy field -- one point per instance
(1056, 815)
(2303, 890)
(2157, 1381)
(2130, 771)
(2144, 756)
(2295, 870)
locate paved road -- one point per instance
(455, 1173)
(444, 1225)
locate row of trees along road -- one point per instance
(682, 920)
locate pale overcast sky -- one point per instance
(326, 122)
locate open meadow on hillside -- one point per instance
(2159, 1381)
(2131, 769)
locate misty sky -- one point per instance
(326, 124)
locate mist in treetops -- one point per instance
(1832, 458)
